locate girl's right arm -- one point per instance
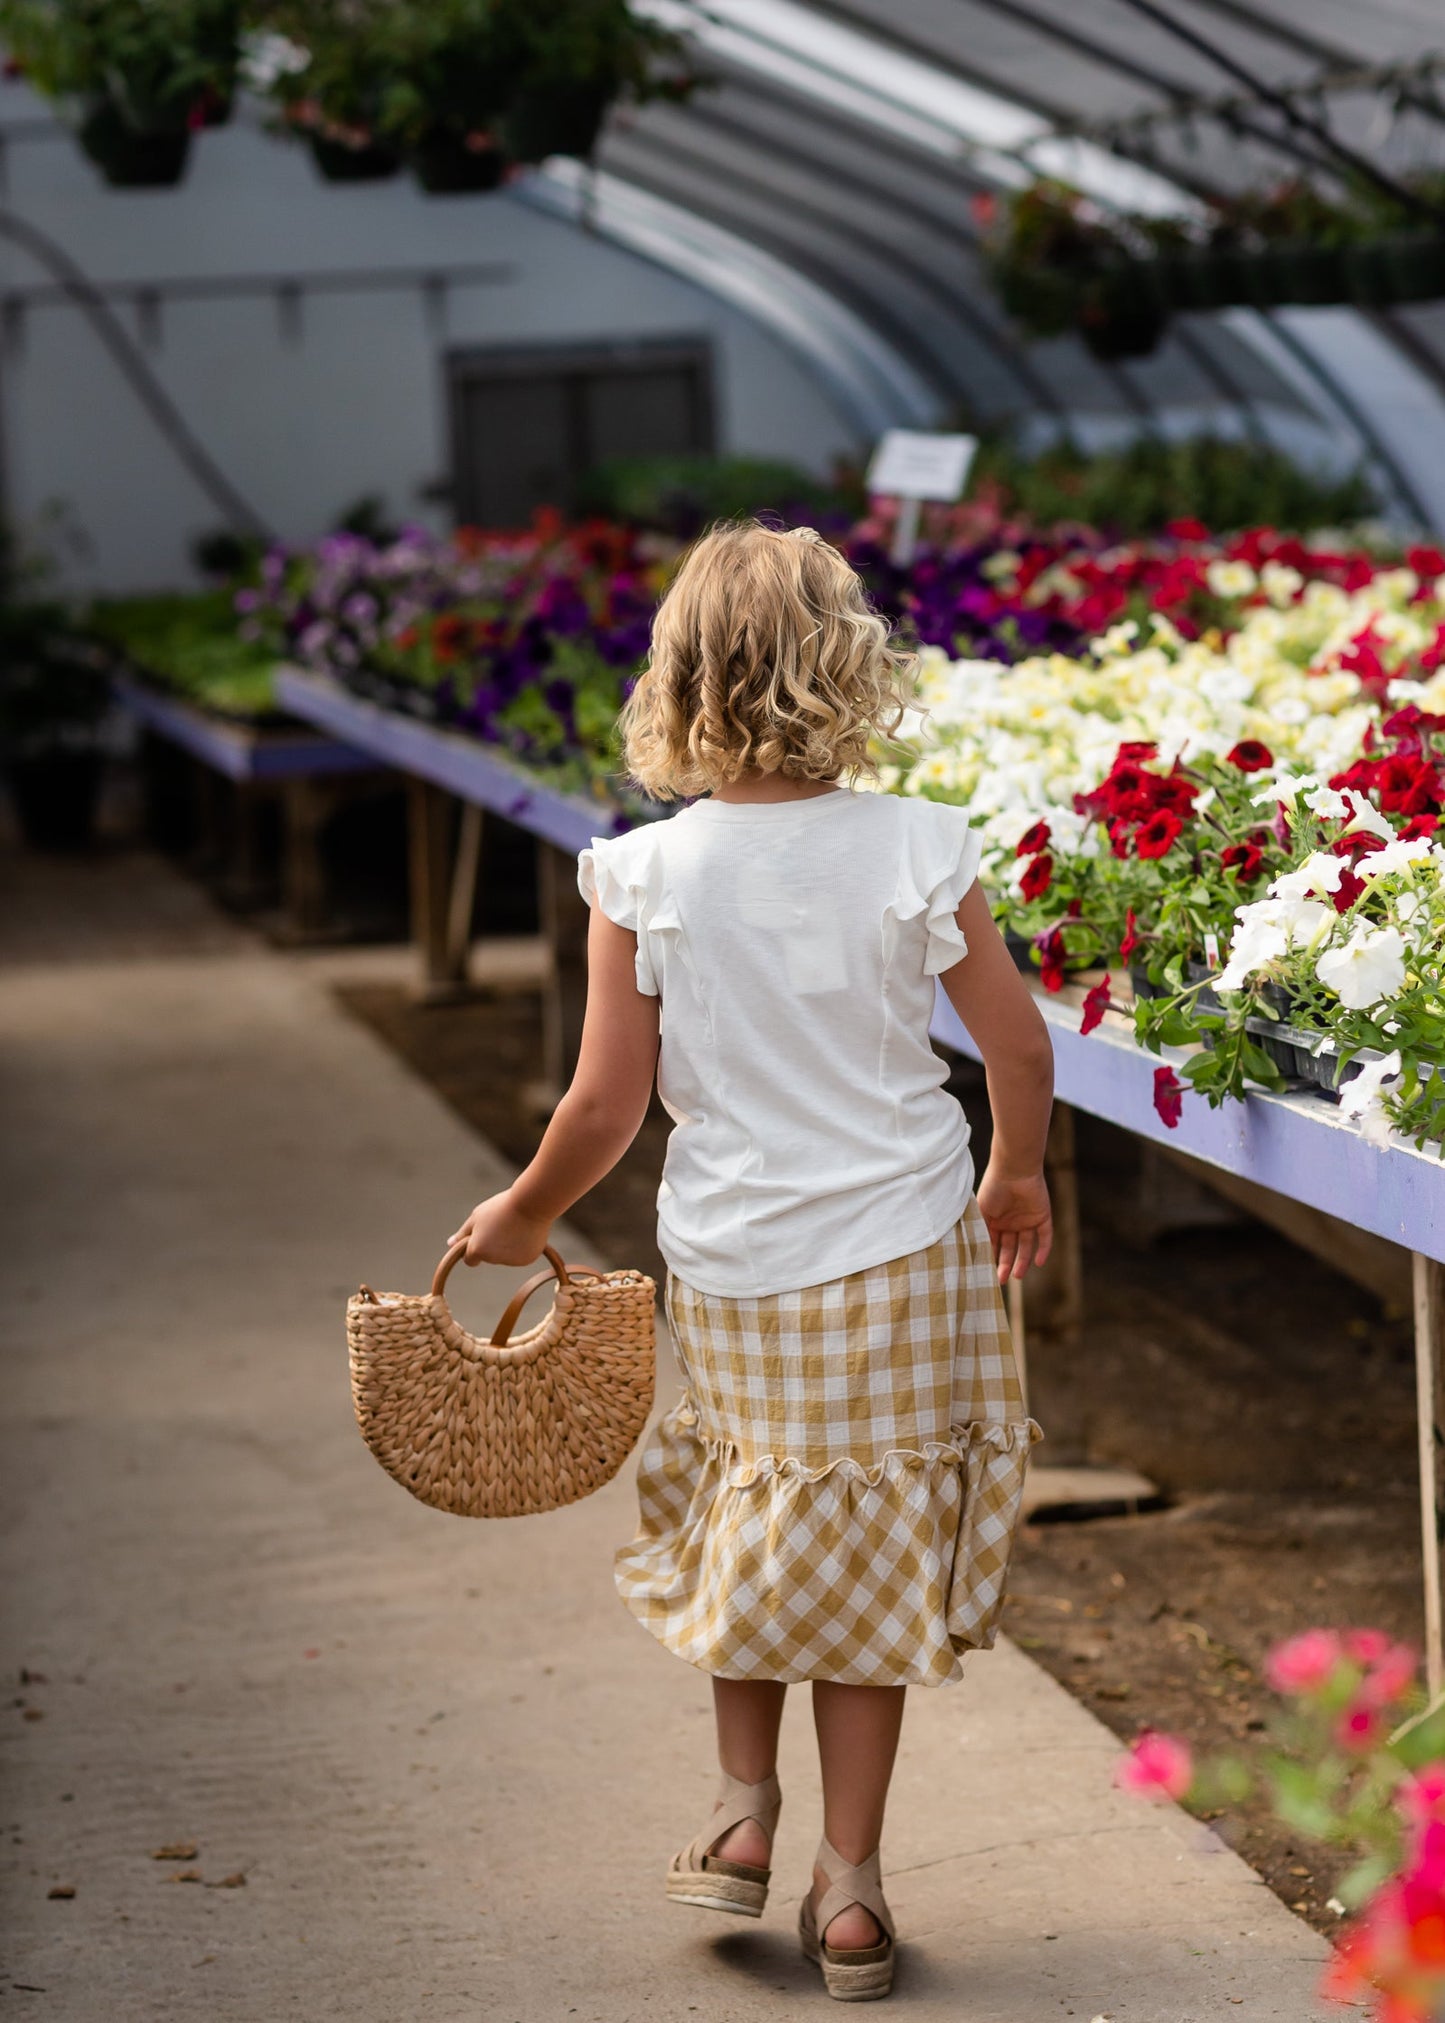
(1007, 1027)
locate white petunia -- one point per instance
(1318, 873)
(1268, 929)
(1396, 856)
(1286, 788)
(1231, 579)
(1363, 1097)
(1368, 969)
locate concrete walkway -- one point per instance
(447, 1764)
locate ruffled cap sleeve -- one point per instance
(940, 862)
(614, 875)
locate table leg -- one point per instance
(462, 895)
(303, 880)
(565, 915)
(1429, 1279)
(429, 840)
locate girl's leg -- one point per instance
(749, 1713)
(857, 1742)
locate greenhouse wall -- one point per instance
(310, 400)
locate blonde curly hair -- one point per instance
(766, 657)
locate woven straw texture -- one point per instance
(488, 1431)
(836, 1493)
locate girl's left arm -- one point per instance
(595, 1121)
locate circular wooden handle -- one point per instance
(502, 1332)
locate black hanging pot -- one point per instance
(1415, 264)
(1313, 274)
(1122, 317)
(1369, 282)
(447, 165)
(555, 120)
(341, 162)
(1208, 277)
(55, 795)
(130, 160)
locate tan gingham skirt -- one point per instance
(836, 1492)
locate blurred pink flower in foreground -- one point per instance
(1156, 1764)
(1305, 1663)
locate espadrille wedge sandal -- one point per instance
(864, 1975)
(698, 1876)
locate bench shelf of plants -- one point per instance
(181, 671)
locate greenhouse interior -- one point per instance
(465, 468)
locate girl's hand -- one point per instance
(497, 1232)
(1020, 1221)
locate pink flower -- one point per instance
(1421, 1798)
(1304, 1663)
(1366, 1647)
(1360, 1727)
(1156, 1764)
(1391, 1675)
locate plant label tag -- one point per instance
(1211, 948)
(917, 464)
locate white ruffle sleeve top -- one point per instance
(794, 946)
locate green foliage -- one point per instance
(158, 61)
(190, 644)
(682, 495)
(1138, 490)
(405, 74)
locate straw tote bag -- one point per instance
(505, 1427)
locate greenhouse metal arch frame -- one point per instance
(836, 148)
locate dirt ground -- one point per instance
(1270, 1399)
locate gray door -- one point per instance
(527, 426)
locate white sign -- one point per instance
(911, 464)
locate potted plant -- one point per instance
(53, 701)
(577, 58)
(1048, 251)
(143, 75)
(449, 69)
(318, 61)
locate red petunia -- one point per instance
(1187, 530)
(1168, 1097)
(1159, 834)
(1347, 891)
(1131, 935)
(1408, 786)
(1038, 877)
(1032, 840)
(1250, 756)
(1245, 860)
(1420, 829)
(1052, 956)
(1096, 1003)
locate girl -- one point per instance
(834, 1497)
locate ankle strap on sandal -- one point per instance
(738, 1801)
(850, 1883)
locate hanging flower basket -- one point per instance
(453, 165)
(563, 119)
(341, 161)
(129, 160)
